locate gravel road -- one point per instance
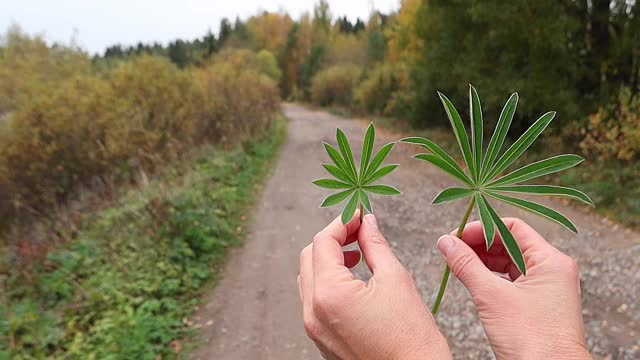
(254, 312)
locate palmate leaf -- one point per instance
(356, 185)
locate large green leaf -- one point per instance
(508, 240)
(364, 200)
(445, 166)
(537, 209)
(452, 194)
(378, 159)
(539, 168)
(336, 198)
(367, 149)
(385, 170)
(460, 132)
(350, 209)
(339, 161)
(549, 190)
(338, 173)
(475, 113)
(521, 145)
(500, 133)
(488, 226)
(345, 149)
(382, 189)
(332, 184)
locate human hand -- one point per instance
(384, 318)
(537, 316)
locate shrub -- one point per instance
(268, 65)
(613, 132)
(383, 90)
(335, 85)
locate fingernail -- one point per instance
(371, 219)
(446, 243)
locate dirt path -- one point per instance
(254, 312)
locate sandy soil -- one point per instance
(254, 312)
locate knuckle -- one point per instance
(377, 239)
(462, 264)
(305, 252)
(324, 303)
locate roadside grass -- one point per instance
(124, 286)
(613, 186)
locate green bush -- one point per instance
(335, 85)
(383, 91)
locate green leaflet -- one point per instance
(500, 133)
(338, 173)
(435, 149)
(460, 132)
(339, 161)
(522, 144)
(452, 194)
(488, 226)
(382, 189)
(445, 166)
(347, 155)
(475, 113)
(385, 170)
(379, 158)
(331, 184)
(539, 168)
(537, 209)
(508, 241)
(336, 198)
(350, 209)
(364, 199)
(367, 149)
(549, 190)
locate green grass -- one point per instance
(122, 287)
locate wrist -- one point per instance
(435, 347)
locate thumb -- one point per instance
(464, 263)
(375, 248)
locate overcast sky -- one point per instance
(101, 23)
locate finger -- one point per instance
(376, 250)
(306, 276)
(524, 234)
(352, 258)
(465, 263)
(328, 259)
(299, 289)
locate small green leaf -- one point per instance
(364, 200)
(336, 157)
(539, 168)
(452, 194)
(488, 226)
(548, 190)
(445, 166)
(385, 170)
(508, 241)
(350, 209)
(367, 149)
(345, 149)
(382, 189)
(332, 184)
(521, 145)
(475, 110)
(338, 173)
(500, 133)
(336, 198)
(537, 209)
(435, 149)
(460, 132)
(379, 158)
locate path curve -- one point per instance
(254, 312)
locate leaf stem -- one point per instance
(361, 213)
(447, 270)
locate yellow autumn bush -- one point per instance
(335, 85)
(613, 133)
(383, 91)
